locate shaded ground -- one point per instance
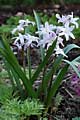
(7, 11)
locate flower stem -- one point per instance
(29, 62)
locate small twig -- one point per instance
(68, 93)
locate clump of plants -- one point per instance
(19, 110)
(50, 41)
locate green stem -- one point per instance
(24, 62)
(28, 118)
(29, 62)
(50, 84)
(42, 53)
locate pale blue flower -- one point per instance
(19, 38)
(64, 19)
(68, 19)
(26, 22)
(48, 39)
(66, 30)
(19, 28)
(25, 40)
(74, 20)
(60, 41)
(31, 40)
(22, 25)
(59, 51)
(46, 29)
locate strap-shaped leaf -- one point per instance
(77, 59)
(56, 84)
(54, 68)
(44, 62)
(61, 73)
(73, 65)
(11, 59)
(37, 18)
(70, 47)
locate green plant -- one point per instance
(15, 2)
(3, 74)
(19, 110)
(76, 118)
(58, 99)
(70, 2)
(48, 86)
(32, 107)
(5, 93)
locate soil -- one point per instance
(7, 11)
(70, 105)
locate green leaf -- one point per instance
(32, 107)
(56, 85)
(70, 47)
(76, 118)
(9, 74)
(77, 59)
(72, 64)
(5, 29)
(44, 62)
(5, 93)
(54, 68)
(37, 19)
(12, 61)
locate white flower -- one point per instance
(64, 19)
(47, 35)
(45, 29)
(19, 39)
(67, 31)
(59, 51)
(22, 24)
(47, 40)
(19, 28)
(19, 46)
(67, 19)
(26, 22)
(25, 41)
(74, 20)
(60, 41)
(31, 40)
(58, 30)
